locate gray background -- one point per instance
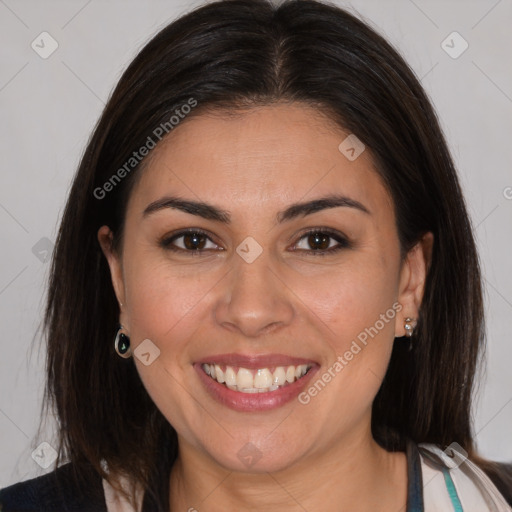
(49, 107)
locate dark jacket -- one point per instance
(54, 492)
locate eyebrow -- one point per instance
(210, 212)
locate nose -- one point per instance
(255, 300)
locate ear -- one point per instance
(105, 238)
(412, 281)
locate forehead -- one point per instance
(263, 157)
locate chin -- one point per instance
(256, 457)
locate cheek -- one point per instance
(351, 296)
(162, 299)
(165, 307)
(355, 308)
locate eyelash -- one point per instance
(343, 243)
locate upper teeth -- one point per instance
(255, 381)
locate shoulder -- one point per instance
(500, 474)
(53, 491)
(492, 483)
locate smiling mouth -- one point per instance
(260, 380)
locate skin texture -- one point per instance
(319, 456)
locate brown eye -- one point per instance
(319, 241)
(194, 241)
(322, 242)
(188, 241)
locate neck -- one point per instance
(355, 476)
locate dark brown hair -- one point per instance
(238, 54)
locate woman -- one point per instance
(265, 293)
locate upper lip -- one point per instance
(255, 361)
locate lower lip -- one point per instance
(250, 402)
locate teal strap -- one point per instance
(457, 506)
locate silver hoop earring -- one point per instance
(122, 344)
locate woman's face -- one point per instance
(262, 301)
